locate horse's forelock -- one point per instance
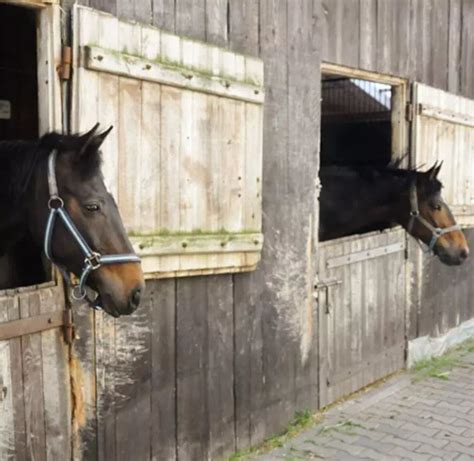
(87, 163)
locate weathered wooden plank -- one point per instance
(278, 404)
(162, 296)
(243, 27)
(85, 112)
(466, 66)
(16, 367)
(454, 45)
(56, 379)
(132, 385)
(248, 353)
(109, 6)
(191, 18)
(163, 12)
(186, 77)
(105, 353)
(368, 34)
(191, 369)
(32, 381)
(220, 379)
(216, 22)
(440, 23)
(303, 150)
(108, 103)
(7, 428)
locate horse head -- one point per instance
(73, 213)
(430, 220)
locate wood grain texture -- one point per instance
(32, 381)
(7, 428)
(373, 312)
(211, 163)
(162, 304)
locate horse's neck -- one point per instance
(354, 202)
(14, 179)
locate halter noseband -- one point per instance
(436, 232)
(92, 259)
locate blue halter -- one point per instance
(92, 259)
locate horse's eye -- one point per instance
(437, 207)
(92, 207)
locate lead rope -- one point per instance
(93, 260)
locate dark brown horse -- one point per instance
(356, 198)
(62, 173)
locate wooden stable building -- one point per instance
(223, 112)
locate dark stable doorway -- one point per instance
(22, 265)
(356, 125)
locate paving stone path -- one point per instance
(431, 419)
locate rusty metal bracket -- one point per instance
(36, 324)
(64, 69)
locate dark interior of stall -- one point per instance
(356, 127)
(22, 265)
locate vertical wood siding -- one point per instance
(362, 334)
(196, 325)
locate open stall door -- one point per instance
(442, 130)
(184, 160)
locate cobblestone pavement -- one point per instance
(432, 419)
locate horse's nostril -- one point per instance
(135, 297)
(464, 254)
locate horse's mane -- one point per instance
(19, 159)
(372, 174)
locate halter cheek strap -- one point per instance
(92, 259)
(436, 232)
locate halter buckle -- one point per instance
(93, 261)
(414, 213)
(55, 202)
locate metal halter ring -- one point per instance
(78, 293)
(414, 213)
(55, 202)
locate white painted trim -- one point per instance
(427, 347)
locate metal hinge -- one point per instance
(64, 69)
(411, 111)
(68, 329)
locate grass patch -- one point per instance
(302, 420)
(345, 426)
(440, 367)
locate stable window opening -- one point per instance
(362, 126)
(22, 264)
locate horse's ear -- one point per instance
(92, 141)
(434, 171)
(100, 138)
(86, 140)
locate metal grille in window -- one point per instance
(355, 99)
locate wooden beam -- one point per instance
(35, 324)
(102, 60)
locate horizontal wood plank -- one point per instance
(228, 86)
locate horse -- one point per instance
(354, 199)
(52, 191)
